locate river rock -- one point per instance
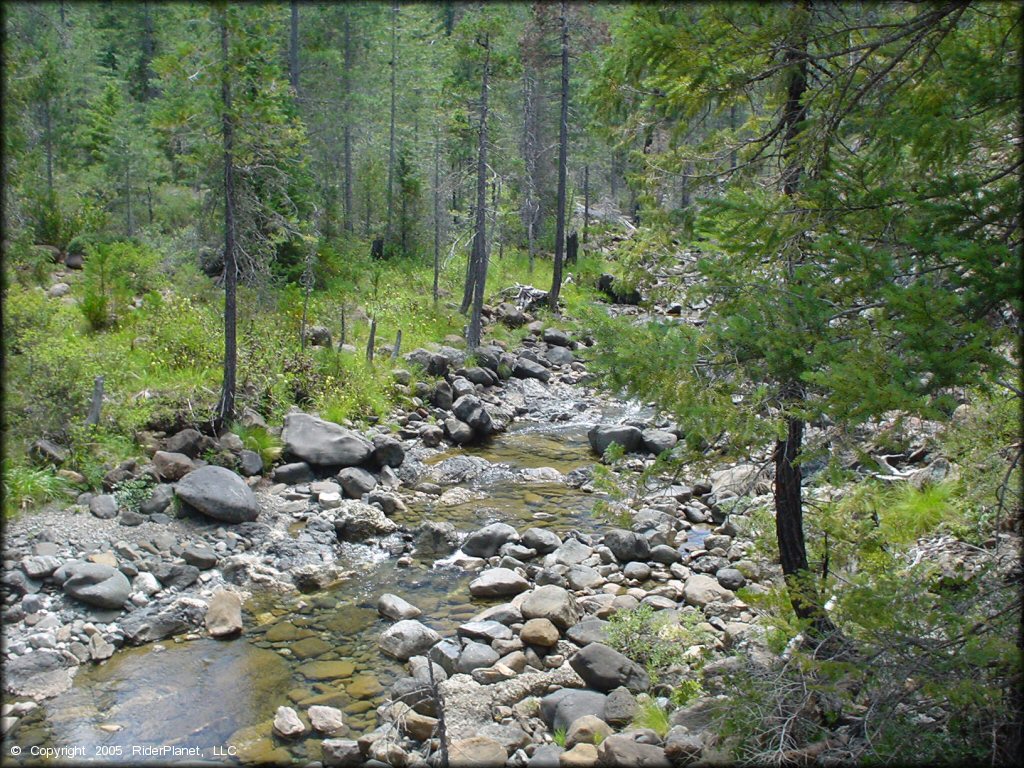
(224, 614)
(583, 577)
(287, 724)
(487, 630)
(459, 431)
(157, 621)
(99, 585)
(683, 747)
(99, 648)
(295, 473)
(553, 603)
(434, 538)
(637, 571)
(486, 541)
(171, 467)
(657, 441)
(546, 756)
(588, 729)
(38, 674)
(396, 608)
(541, 632)
(431, 435)
(604, 668)
(159, 500)
(323, 443)
(528, 369)
(407, 638)
(341, 753)
(620, 749)
(39, 566)
(730, 578)
(498, 582)
(356, 481)
(250, 463)
(103, 506)
(476, 656)
(387, 451)
(700, 590)
(603, 435)
(620, 707)
(219, 493)
(736, 481)
(571, 552)
(541, 539)
(325, 720)
(476, 752)
(358, 521)
(563, 707)
(590, 630)
(559, 356)
(190, 442)
(580, 756)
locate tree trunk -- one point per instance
(96, 406)
(397, 349)
(293, 50)
(563, 151)
(226, 408)
(586, 200)
(370, 342)
(437, 213)
(48, 139)
(391, 134)
(530, 206)
(572, 248)
(479, 259)
(347, 86)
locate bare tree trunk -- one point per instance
(341, 340)
(48, 139)
(397, 349)
(370, 342)
(391, 134)
(479, 258)
(563, 151)
(96, 406)
(226, 408)
(586, 200)
(437, 213)
(293, 50)
(347, 86)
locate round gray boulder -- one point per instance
(219, 493)
(323, 443)
(99, 585)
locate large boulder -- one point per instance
(605, 669)
(406, 639)
(393, 607)
(219, 493)
(553, 603)
(657, 441)
(99, 585)
(40, 674)
(224, 614)
(498, 582)
(541, 539)
(172, 466)
(486, 541)
(323, 443)
(603, 435)
(627, 546)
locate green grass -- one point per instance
(559, 737)
(650, 715)
(909, 513)
(27, 487)
(260, 441)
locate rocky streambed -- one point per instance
(296, 625)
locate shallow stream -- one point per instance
(217, 698)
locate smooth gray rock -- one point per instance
(476, 656)
(323, 443)
(621, 707)
(730, 578)
(357, 521)
(627, 546)
(553, 603)
(250, 463)
(356, 481)
(159, 500)
(486, 541)
(407, 638)
(572, 552)
(528, 369)
(556, 337)
(604, 668)
(103, 506)
(459, 431)
(295, 473)
(341, 753)
(563, 707)
(99, 585)
(471, 411)
(590, 630)
(38, 674)
(387, 451)
(393, 607)
(541, 539)
(603, 435)
(219, 493)
(498, 582)
(658, 441)
(559, 356)
(620, 749)
(172, 466)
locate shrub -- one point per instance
(658, 640)
(650, 715)
(131, 493)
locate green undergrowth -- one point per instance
(26, 487)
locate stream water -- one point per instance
(217, 698)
